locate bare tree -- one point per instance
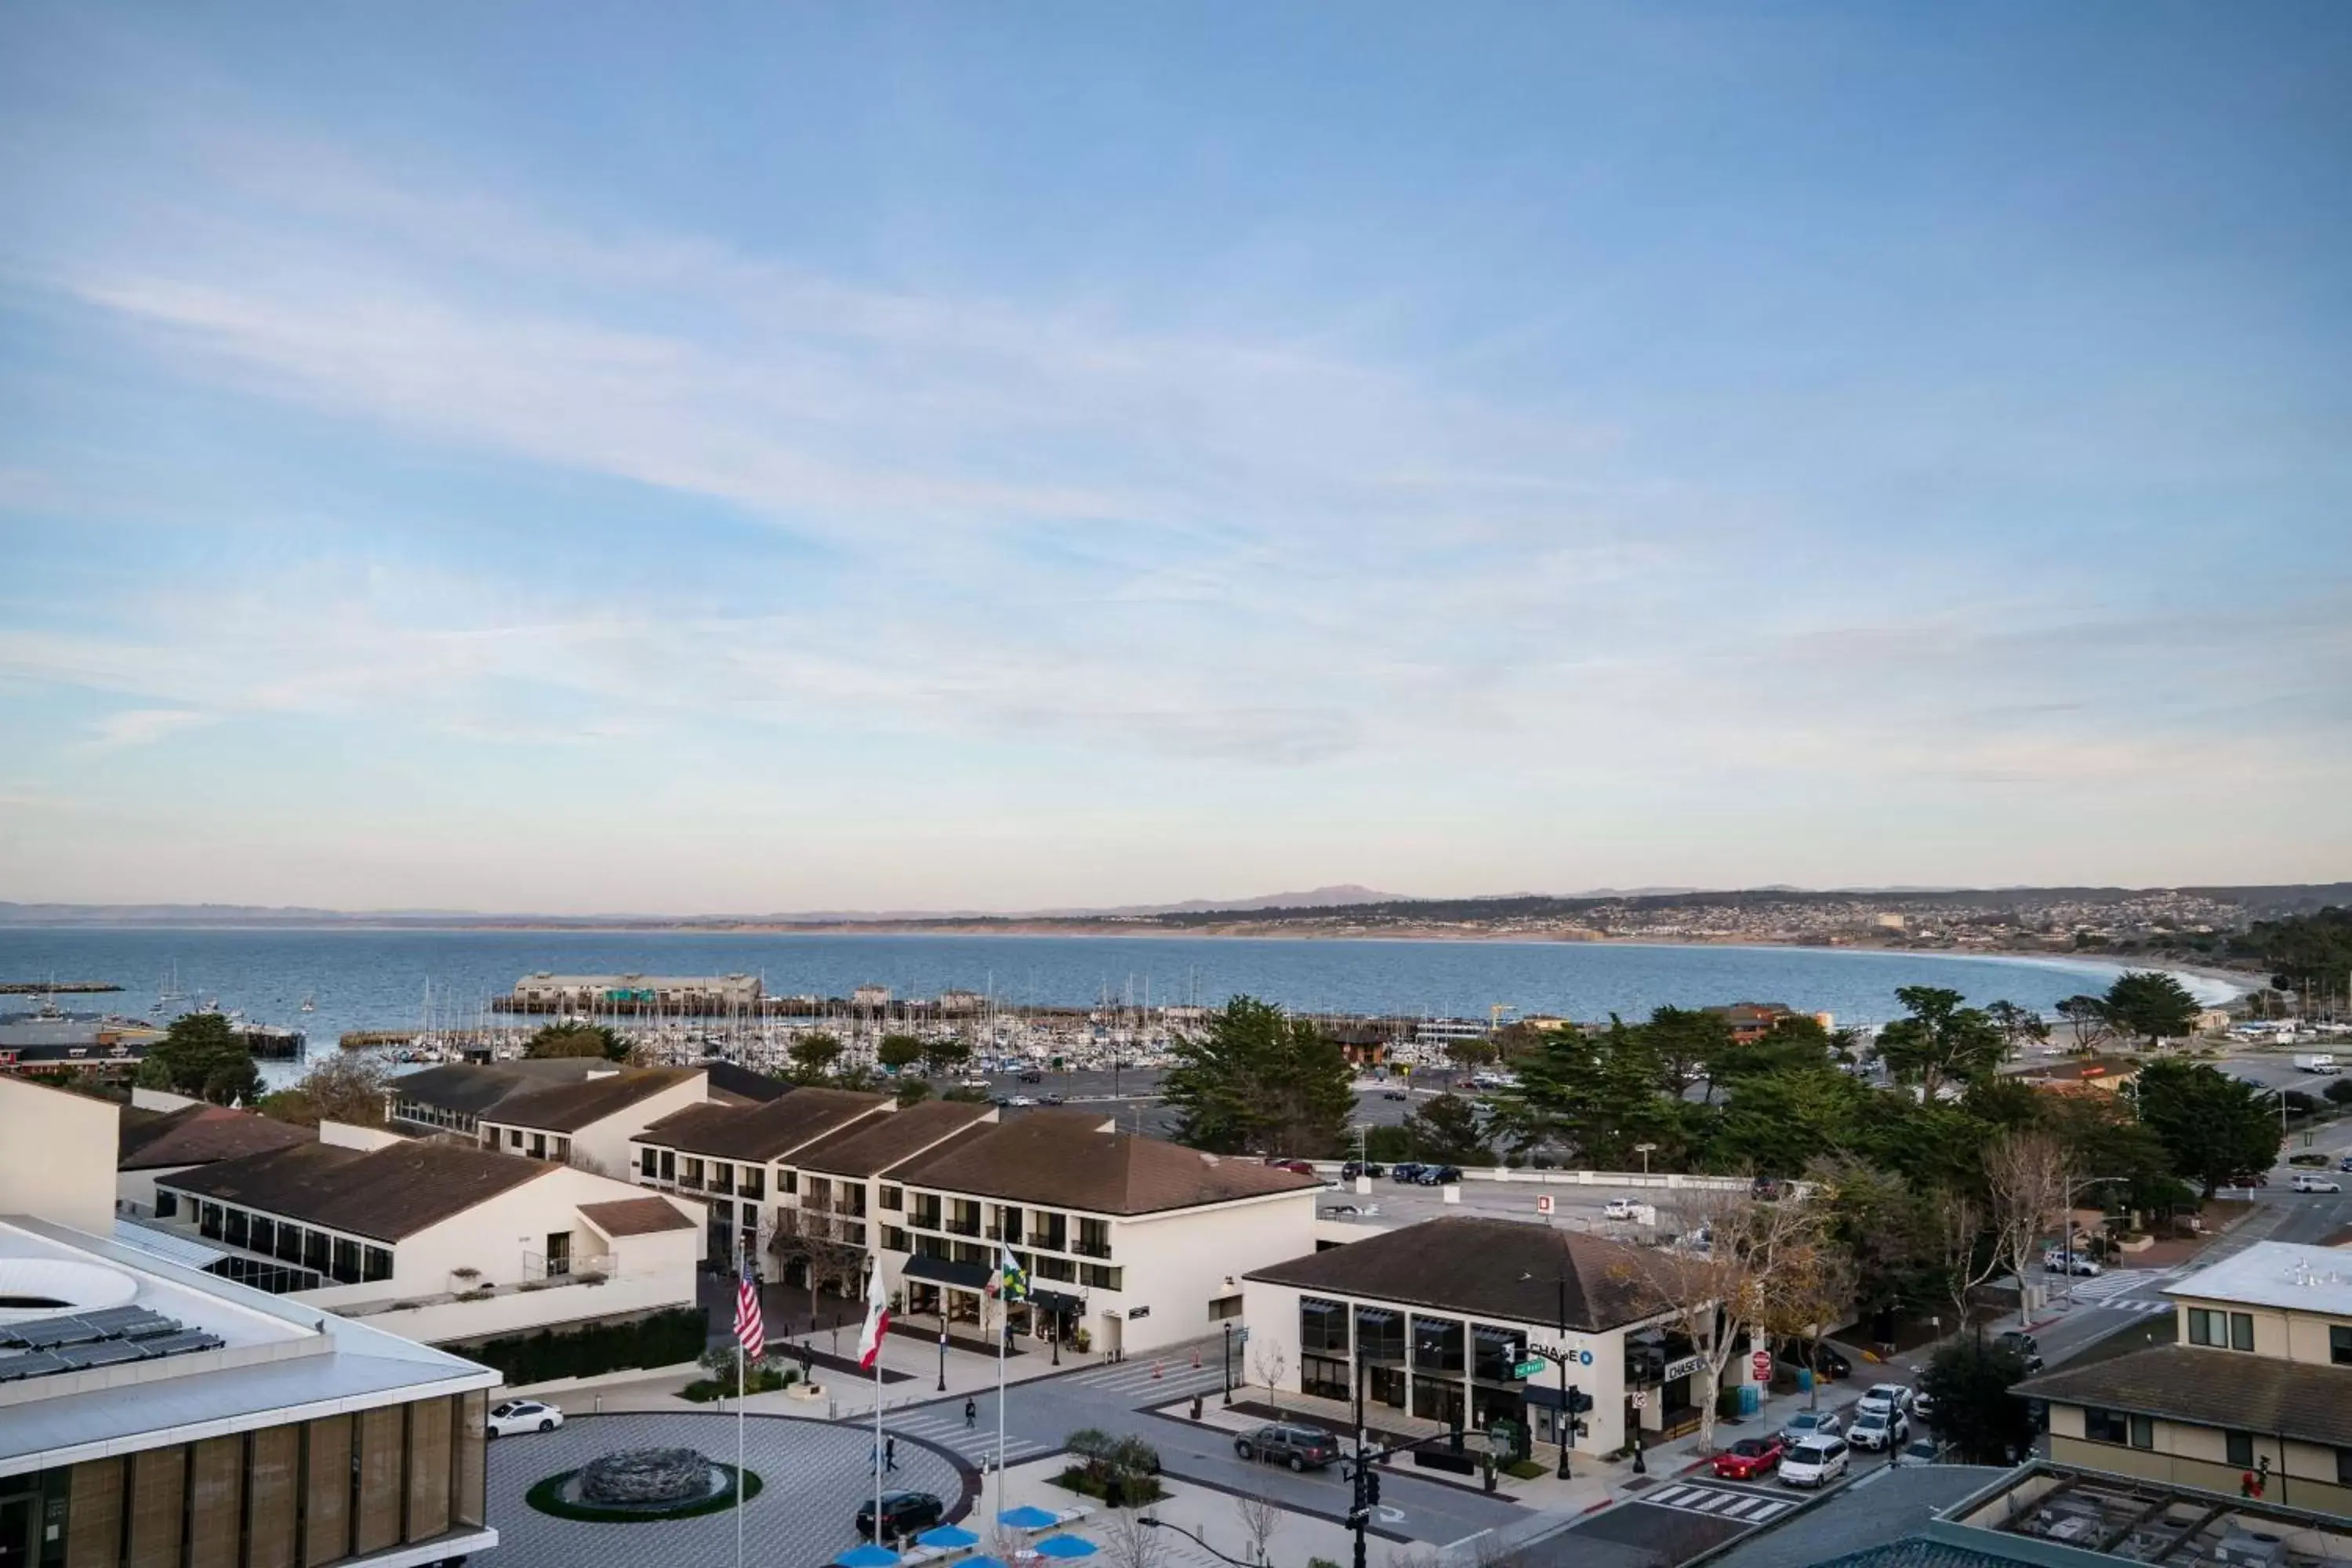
(580, 1160)
(1812, 1293)
(811, 1240)
(1128, 1542)
(1960, 1226)
(2027, 1173)
(1261, 1519)
(1270, 1362)
(353, 1087)
(1719, 1282)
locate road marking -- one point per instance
(1743, 1507)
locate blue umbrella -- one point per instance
(1066, 1546)
(868, 1556)
(1023, 1518)
(948, 1535)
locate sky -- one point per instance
(588, 457)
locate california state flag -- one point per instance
(877, 1321)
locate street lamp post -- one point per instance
(1643, 1150)
(1229, 1361)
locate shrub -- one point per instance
(2340, 1092)
(481, 1295)
(664, 1338)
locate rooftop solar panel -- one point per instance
(50, 1332)
(109, 1353)
(180, 1344)
(14, 1368)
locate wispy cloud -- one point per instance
(146, 726)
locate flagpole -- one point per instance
(877, 1409)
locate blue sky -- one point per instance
(594, 457)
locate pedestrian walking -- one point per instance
(970, 1414)
(891, 1453)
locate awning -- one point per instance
(945, 1271)
(1544, 1394)
(179, 1248)
(1376, 1315)
(1055, 1302)
(1497, 1336)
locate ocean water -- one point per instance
(378, 979)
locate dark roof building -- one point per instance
(762, 1132)
(1505, 1269)
(384, 1193)
(871, 1145)
(199, 1135)
(466, 1089)
(2302, 1400)
(731, 1083)
(1078, 1160)
(635, 1217)
(569, 1107)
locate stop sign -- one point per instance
(1762, 1362)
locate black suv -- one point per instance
(1438, 1175)
(1405, 1171)
(903, 1514)
(1355, 1168)
(1301, 1447)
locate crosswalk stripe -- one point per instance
(1670, 1493)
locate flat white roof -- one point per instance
(278, 1361)
(2278, 1274)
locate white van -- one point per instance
(1815, 1462)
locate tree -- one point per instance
(578, 1040)
(2103, 1138)
(945, 1054)
(1257, 1080)
(1261, 1518)
(1469, 1054)
(1684, 1042)
(1964, 1244)
(1128, 1542)
(2087, 1024)
(913, 1091)
(2340, 1092)
(2151, 1006)
(2026, 1172)
(348, 1086)
(2212, 1126)
(1975, 1410)
(1720, 1294)
(202, 1055)
(898, 1052)
(1813, 1294)
(1599, 1095)
(1882, 1224)
(1941, 1040)
(1778, 1123)
(814, 1054)
(1447, 1131)
(812, 1241)
(1796, 1043)
(2020, 1026)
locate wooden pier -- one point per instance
(56, 988)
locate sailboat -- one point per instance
(310, 1003)
(169, 991)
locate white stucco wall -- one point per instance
(136, 1188)
(608, 1141)
(62, 1153)
(1175, 1263)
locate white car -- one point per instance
(1893, 1397)
(1816, 1461)
(1618, 1208)
(2307, 1182)
(1878, 1427)
(2059, 1263)
(523, 1415)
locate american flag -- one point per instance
(750, 1329)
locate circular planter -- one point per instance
(548, 1498)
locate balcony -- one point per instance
(963, 1228)
(1085, 1248)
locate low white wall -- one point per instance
(1670, 1180)
(509, 1312)
(161, 1099)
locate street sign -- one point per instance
(1762, 1362)
(1543, 1203)
(1641, 1399)
(1528, 1369)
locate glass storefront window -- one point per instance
(1322, 1326)
(1436, 1344)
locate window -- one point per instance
(2104, 1425)
(669, 1165)
(378, 1264)
(1094, 1238)
(1436, 1344)
(1322, 1326)
(2239, 1449)
(689, 1174)
(2344, 1467)
(347, 1261)
(235, 1228)
(2143, 1432)
(263, 1235)
(722, 1176)
(1495, 1353)
(2229, 1330)
(1323, 1377)
(649, 1162)
(788, 1183)
(290, 1242)
(1060, 1268)
(894, 1199)
(1380, 1336)
(209, 1220)
(1223, 1307)
(1102, 1276)
(317, 1247)
(894, 1239)
(167, 1203)
(755, 1183)
(2339, 1335)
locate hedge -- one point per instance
(663, 1339)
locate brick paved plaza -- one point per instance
(814, 1476)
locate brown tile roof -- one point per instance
(2212, 1388)
(569, 1107)
(198, 1135)
(1506, 1270)
(1073, 1159)
(385, 1194)
(758, 1132)
(470, 1088)
(635, 1217)
(870, 1147)
(735, 1084)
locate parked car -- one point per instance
(1438, 1175)
(1054, 1099)
(1807, 1425)
(1815, 1462)
(2025, 1346)
(1405, 1171)
(1877, 1426)
(1021, 1099)
(903, 1514)
(1395, 1094)
(1748, 1457)
(1923, 1405)
(1619, 1208)
(1297, 1167)
(1894, 1396)
(1301, 1447)
(1924, 1451)
(522, 1415)
(2316, 1161)
(2058, 1262)
(1827, 1361)
(2345, 1164)
(2249, 1179)
(1355, 1168)
(1032, 1077)
(2306, 1182)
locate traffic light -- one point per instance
(1372, 1487)
(1579, 1402)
